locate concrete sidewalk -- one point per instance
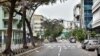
(21, 50)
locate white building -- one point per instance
(77, 16)
(37, 24)
(69, 25)
(16, 33)
(96, 14)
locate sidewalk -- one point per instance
(21, 50)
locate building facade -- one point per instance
(77, 16)
(69, 25)
(86, 12)
(16, 33)
(37, 24)
(96, 15)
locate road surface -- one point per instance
(61, 49)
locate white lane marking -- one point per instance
(36, 50)
(64, 47)
(89, 54)
(69, 46)
(51, 47)
(59, 51)
(59, 46)
(73, 46)
(54, 46)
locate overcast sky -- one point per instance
(58, 10)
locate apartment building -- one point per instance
(77, 16)
(16, 33)
(37, 25)
(69, 25)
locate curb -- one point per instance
(27, 51)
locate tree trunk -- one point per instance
(24, 29)
(30, 31)
(29, 27)
(9, 30)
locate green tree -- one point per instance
(79, 34)
(93, 33)
(11, 4)
(52, 28)
(33, 5)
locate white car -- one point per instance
(83, 44)
(91, 45)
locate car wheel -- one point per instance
(83, 47)
(87, 48)
(98, 54)
(92, 50)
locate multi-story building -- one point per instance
(96, 15)
(16, 33)
(68, 25)
(86, 13)
(77, 16)
(37, 24)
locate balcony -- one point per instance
(6, 19)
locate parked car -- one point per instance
(90, 44)
(83, 44)
(72, 40)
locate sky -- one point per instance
(58, 10)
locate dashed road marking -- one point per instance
(59, 51)
(36, 50)
(59, 46)
(69, 46)
(64, 47)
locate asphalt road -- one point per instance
(61, 49)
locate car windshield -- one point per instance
(93, 41)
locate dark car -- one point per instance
(72, 40)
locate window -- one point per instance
(0, 39)
(87, 7)
(88, 2)
(88, 14)
(36, 31)
(5, 24)
(37, 23)
(41, 19)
